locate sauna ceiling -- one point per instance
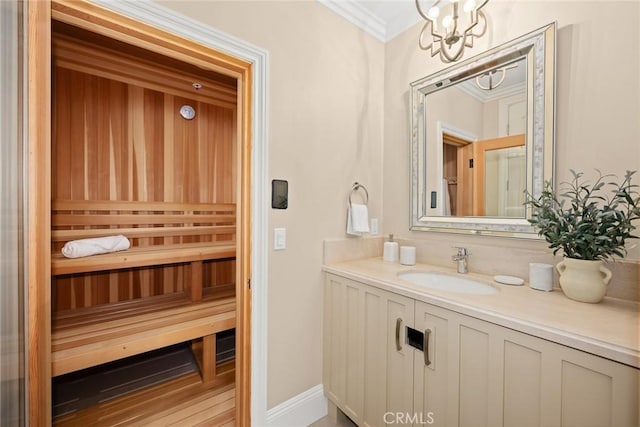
(61, 29)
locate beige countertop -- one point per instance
(609, 329)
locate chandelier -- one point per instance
(493, 78)
(450, 31)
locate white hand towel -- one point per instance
(100, 245)
(447, 198)
(357, 220)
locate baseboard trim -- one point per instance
(301, 410)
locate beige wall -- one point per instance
(598, 96)
(325, 124)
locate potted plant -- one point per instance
(590, 224)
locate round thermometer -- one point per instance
(187, 112)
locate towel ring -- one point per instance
(357, 187)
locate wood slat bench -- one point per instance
(143, 257)
(90, 336)
(161, 233)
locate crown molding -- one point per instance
(358, 16)
(382, 29)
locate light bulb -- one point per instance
(433, 12)
(447, 21)
(469, 5)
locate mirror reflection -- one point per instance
(481, 125)
(482, 132)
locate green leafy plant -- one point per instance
(588, 222)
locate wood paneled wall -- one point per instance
(116, 136)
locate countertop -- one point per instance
(609, 329)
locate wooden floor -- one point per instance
(184, 401)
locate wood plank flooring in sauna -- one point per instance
(184, 401)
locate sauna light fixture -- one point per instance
(187, 112)
(493, 81)
(452, 32)
(196, 85)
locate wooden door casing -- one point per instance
(97, 19)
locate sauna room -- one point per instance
(143, 172)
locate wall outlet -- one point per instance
(279, 239)
(374, 226)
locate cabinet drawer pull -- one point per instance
(398, 328)
(425, 346)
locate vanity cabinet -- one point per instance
(364, 373)
(478, 373)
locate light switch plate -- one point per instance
(279, 239)
(374, 226)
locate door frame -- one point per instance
(153, 27)
(452, 132)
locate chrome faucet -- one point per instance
(462, 258)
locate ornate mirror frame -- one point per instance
(538, 47)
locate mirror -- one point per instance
(482, 134)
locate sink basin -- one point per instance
(447, 282)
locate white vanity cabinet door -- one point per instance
(458, 387)
(364, 374)
(435, 385)
(548, 384)
(399, 313)
(590, 390)
(387, 371)
(343, 373)
(535, 382)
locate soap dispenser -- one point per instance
(390, 253)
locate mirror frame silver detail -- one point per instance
(539, 47)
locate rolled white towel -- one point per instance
(100, 245)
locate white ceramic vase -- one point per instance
(584, 280)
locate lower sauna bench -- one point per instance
(161, 360)
(86, 337)
(161, 387)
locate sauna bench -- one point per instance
(90, 336)
(160, 233)
(143, 257)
